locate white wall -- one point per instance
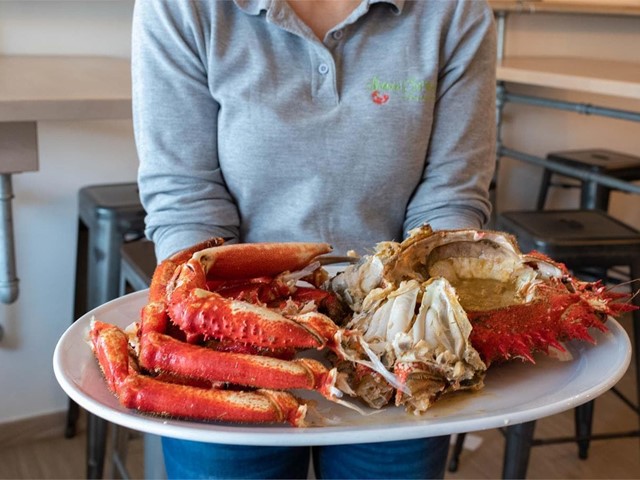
(74, 154)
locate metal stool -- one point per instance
(137, 267)
(578, 238)
(592, 194)
(109, 215)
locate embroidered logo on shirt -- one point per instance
(379, 98)
(409, 89)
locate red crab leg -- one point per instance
(147, 394)
(251, 260)
(164, 353)
(154, 315)
(201, 312)
(111, 348)
(169, 399)
(198, 311)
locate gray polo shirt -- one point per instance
(250, 127)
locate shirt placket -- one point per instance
(323, 71)
(327, 86)
(324, 74)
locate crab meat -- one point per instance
(419, 331)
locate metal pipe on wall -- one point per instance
(583, 108)
(8, 278)
(570, 171)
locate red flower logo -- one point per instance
(378, 98)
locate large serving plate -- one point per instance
(514, 393)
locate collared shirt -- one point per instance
(248, 126)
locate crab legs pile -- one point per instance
(225, 315)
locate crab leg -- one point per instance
(170, 399)
(147, 394)
(198, 311)
(251, 260)
(164, 353)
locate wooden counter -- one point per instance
(604, 77)
(34, 88)
(38, 88)
(603, 7)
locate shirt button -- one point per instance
(337, 35)
(323, 68)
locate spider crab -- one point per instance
(222, 315)
(440, 307)
(219, 336)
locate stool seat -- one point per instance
(118, 201)
(601, 161)
(575, 237)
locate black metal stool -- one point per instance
(109, 215)
(578, 238)
(592, 194)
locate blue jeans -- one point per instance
(420, 458)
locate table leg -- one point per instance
(8, 276)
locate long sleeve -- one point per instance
(175, 120)
(453, 192)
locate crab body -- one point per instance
(440, 307)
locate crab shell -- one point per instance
(518, 304)
(486, 268)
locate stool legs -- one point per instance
(454, 461)
(519, 439)
(583, 415)
(96, 445)
(104, 265)
(98, 275)
(594, 196)
(544, 188)
(518, 443)
(79, 308)
(73, 413)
